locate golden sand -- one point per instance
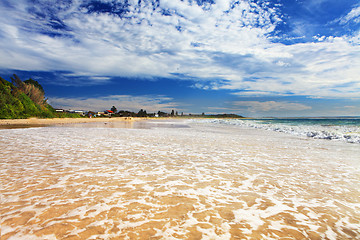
(4, 123)
(189, 183)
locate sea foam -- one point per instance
(346, 133)
(206, 181)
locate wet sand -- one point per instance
(41, 122)
(116, 122)
(192, 181)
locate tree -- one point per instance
(35, 83)
(35, 94)
(22, 100)
(31, 88)
(172, 113)
(16, 81)
(142, 113)
(113, 108)
(162, 114)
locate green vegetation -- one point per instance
(25, 99)
(174, 114)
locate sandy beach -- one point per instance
(34, 122)
(191, 181)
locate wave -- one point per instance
(346, 133)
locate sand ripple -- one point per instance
(191, 183)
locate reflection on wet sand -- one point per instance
(175, 183)
(140, 124)
(14, 126)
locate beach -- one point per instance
(40, 122)
(167, 179)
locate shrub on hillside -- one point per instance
(22, 100)
(26, 99)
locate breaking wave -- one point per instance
(331, 129)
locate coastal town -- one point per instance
(142, 113)
(122, 113)
(24, 99)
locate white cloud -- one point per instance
(353, 15)
(226, 41)
(257, 106)
(325, 69)
(345, 111)
(121, 102)
(146, 42)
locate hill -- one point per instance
(24, 99)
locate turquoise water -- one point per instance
(340, 129)
(311, 121)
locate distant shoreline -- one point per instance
(43, 122)
(39, 122)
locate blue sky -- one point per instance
(254, 58)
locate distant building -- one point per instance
(81, 112)
(108, 113)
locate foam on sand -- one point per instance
(202, 182)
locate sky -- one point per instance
(278, 58)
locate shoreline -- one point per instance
(42, 122)
(54, 121)
(205, 180)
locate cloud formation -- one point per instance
(121, 102)
(353, 15)
(221, 44)
(269, 106)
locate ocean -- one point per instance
(342, 129)
(198, 179)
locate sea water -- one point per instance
(202, 181)
(342, 129)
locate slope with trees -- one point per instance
(24, 99)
